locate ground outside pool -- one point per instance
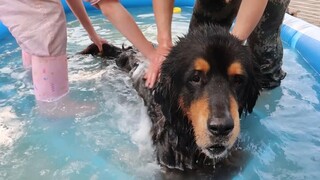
(282, 135)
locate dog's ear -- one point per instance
(162, 91)
(252, 92)
(163, 95)
(252, 89)
(249, 93)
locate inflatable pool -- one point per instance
(114, 142)
(303, 37)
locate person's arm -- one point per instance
(163, 15)
(79, 11)
(124, 22)
(249, 15)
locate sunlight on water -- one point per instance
(112, 141)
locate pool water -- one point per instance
(282, 135)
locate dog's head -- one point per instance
(209, 76)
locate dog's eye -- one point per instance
(238, 79)
(196, 78)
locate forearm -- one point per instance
(79, 11)
(123, 21)
(249, 15)
(163, 15)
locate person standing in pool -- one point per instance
(257, 22)
(39, 28)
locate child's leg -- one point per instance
(26, 59)
(39, 27)
(50, 77)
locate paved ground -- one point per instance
(308, 10)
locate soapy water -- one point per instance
(113, 142)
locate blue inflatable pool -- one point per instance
(303, 37)
(113, 142)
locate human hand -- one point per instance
(97, 40)
(153, 70)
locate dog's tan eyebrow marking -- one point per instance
(235, 69)
(201, 64)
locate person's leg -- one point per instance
(266, 44)
(50, 77)
(49, 67)
(39, 28)
(26, 59)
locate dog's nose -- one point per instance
(220, 126)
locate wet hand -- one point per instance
(152, 73)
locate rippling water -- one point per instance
(282, 135)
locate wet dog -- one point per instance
(207, 81)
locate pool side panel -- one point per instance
(3, 31)
(304, 37)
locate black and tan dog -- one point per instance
(207, 81)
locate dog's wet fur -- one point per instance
(207, 81)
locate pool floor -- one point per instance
(111, 140)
